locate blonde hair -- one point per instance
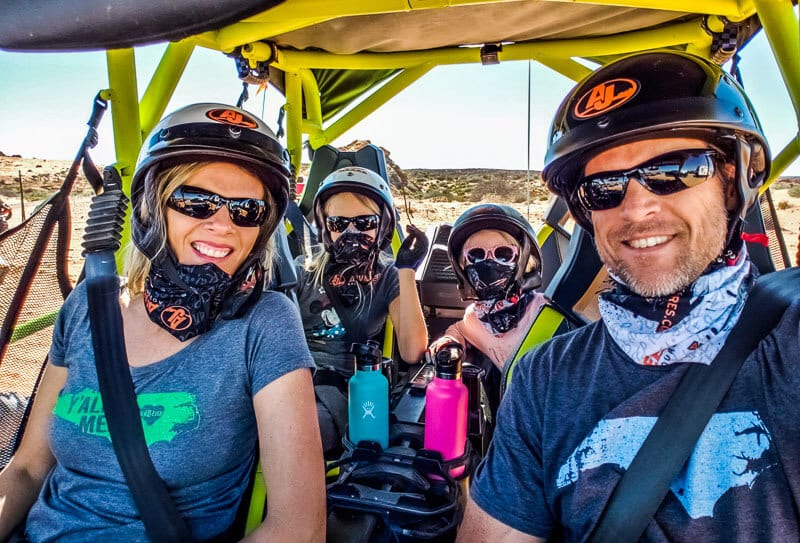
(152, 210)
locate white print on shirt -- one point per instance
(729, 453)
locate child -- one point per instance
(497, 263)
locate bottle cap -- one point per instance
(368, 355)
(448, 362)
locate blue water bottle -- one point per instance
(368, 396)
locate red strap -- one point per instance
(756, 238)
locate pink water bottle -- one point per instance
(446, 407)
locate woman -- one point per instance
(497, 263)
(351, 285)
(214, 370)
(352, 280)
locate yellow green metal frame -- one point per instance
(133, 118)
(258, 502)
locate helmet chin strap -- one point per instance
(733, 243)
(740, 184)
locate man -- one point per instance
(659, 155)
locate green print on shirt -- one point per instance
(164, 415)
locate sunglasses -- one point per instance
(504, 254)
(665, 174)
(362, 223)
(202, 204)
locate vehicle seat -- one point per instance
(553, 239)
(328, 159)
(571, 294)
(284, 275)
(325, 160)
(763, 219)
(438, 288)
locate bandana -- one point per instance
(346, 280)
(186, 300)
(503, 315)
(689, 326)
(354, 261)
(356, 250)
(490, 278)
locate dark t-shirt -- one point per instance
(325, 332)
(578, 410)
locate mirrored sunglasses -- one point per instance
(665, 174)
(362, 223)
(202, 204)
(504, 254)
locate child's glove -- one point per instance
(413, 249)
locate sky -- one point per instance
(468, 116)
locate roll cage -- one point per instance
(338, 62)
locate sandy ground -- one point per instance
(44, 177)
(423, 214)
(429, 213)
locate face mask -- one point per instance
(490, 278)
(352, 248)
(354, 258)
(186, 300)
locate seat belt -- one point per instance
(162, 520)
(643, 486)
(160, 516)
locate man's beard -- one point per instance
(690, 264)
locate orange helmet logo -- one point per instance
(604, 97)
(232, 117)
(176, 318)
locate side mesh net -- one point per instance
(777, 245)
(34, 281)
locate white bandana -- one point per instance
(716, 302)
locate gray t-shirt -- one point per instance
(325, 332)
(197, 413)
(578, 410)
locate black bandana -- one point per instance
(346, 280)
(490, 278)
(355, 249)
(354, 260)
(504, 315)
(186, 300)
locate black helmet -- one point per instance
(496, 217)
(361, 181)
(655, 94)
(203, 132)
